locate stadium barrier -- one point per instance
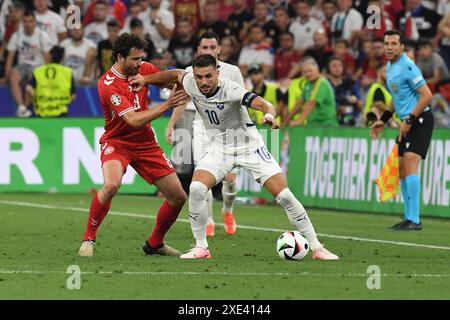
(332, 168)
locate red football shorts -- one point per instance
(149, 162)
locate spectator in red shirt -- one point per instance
(286, 57)
(187, 8)
(116, 8)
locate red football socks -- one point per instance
(97, 213)
(166, 216)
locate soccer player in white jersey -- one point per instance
(235, 141)
(209, 44)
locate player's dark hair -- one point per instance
(209, 35)
(393, 33)
(125, 42)
(57, 54)
(203, 61)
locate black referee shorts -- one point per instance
(418, 138)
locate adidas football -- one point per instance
(291, 245)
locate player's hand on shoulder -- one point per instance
(136, 82)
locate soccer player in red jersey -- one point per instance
(129, 140)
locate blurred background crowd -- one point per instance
(267, 39)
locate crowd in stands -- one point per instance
(343, 37)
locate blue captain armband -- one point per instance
(248, 99)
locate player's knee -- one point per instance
(285, 195)
(178, 200)
(111, 188)
(198, 190)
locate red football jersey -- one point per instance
(117, 98)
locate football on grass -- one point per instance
(291, 245)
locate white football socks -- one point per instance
(197, 213)
(209, 207)
(298, 217)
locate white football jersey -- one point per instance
(225, 115)
(225, 70)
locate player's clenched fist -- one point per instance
(270, 120)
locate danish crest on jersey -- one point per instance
(220, 106)
(115, 99)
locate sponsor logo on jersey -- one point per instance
(115, 99)
(220, 106)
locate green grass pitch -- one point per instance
(41, 233)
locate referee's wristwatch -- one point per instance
(410, 118)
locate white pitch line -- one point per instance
(235, 274)
(137, 215)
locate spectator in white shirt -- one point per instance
(50, 22)
(304, 26)
(345, 21)
(32, 46)
(97, 30)
(80, 54)
(256, 52)
(159, 23)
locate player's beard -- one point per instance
(130, 71)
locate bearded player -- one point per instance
(129, 140)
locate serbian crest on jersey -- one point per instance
(220, 106)
(115, 99)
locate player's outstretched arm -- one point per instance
(162, 79)
(268, 109)
(176, 114)
(137, 119)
